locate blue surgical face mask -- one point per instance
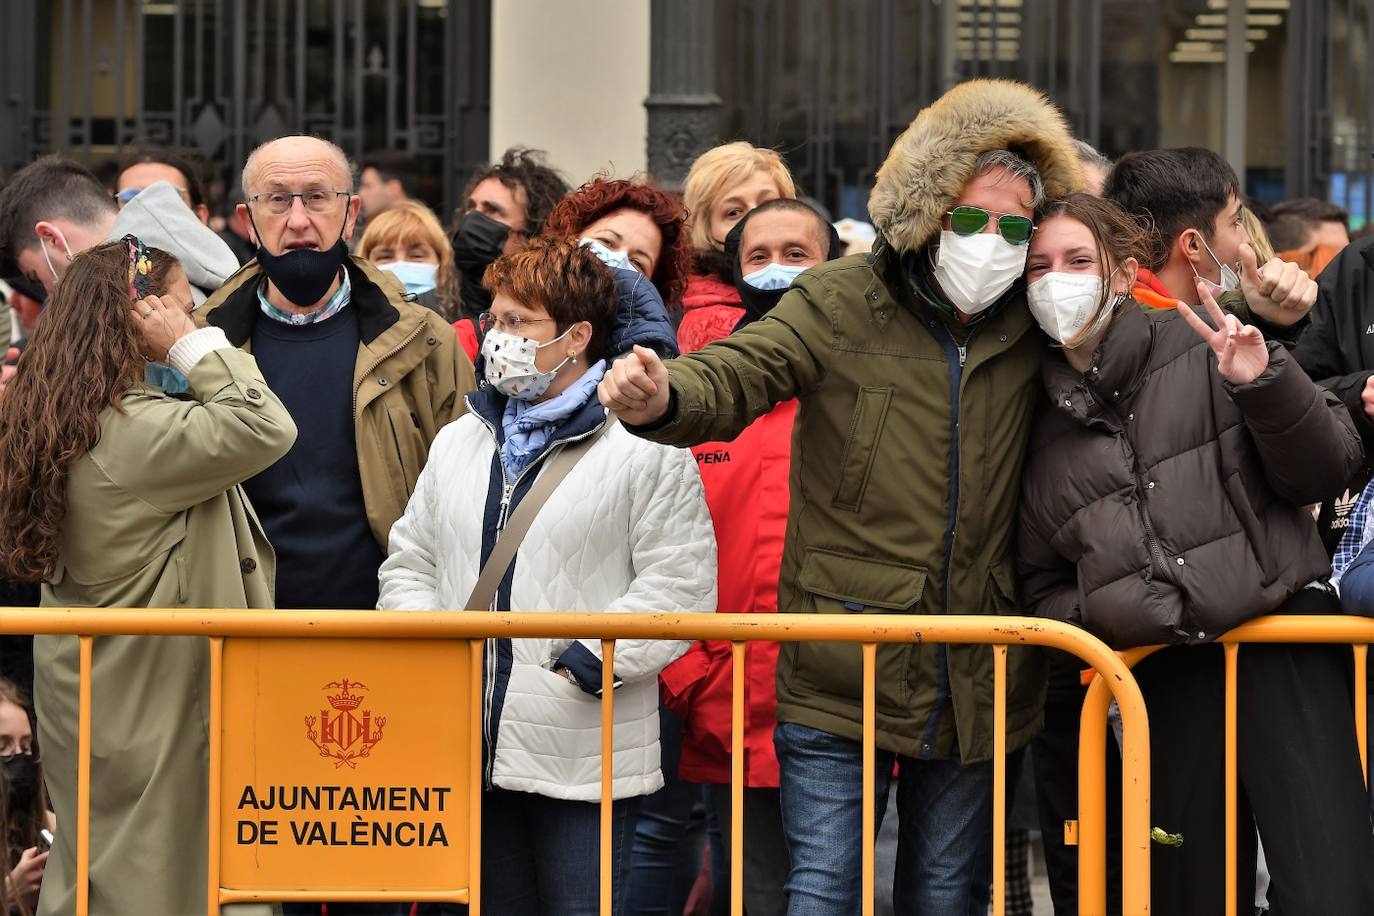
(616, 260)
(417, 277)
(774, 276)
(166, 378)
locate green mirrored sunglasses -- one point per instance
(972, 220)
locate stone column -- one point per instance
(19, 52)
(684, 110)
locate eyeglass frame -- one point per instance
(487, 320)
(293, 195)
(989, 214)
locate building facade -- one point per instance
(1284, 90)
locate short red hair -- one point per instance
(603, 196)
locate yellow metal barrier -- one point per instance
(1092, 810)
(868, 630)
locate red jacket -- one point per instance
(746, 483)
(467, 338)
(712, 309)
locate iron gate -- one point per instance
(832, 82)
(90, 77)
(1330, 87)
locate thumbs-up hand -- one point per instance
(1279, 292)
(636, 388)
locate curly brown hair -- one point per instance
(603, 196)
(566, 280)
(84, 355)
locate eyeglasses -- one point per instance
(128, 194)
(316, 200)
(486, 321)
(972, 220)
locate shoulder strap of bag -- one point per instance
(557, 467)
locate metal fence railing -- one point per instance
(223, 627)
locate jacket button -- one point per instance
(1180, 561)
(431, 340)
(1094, 370)
(1151, 486)
(382, 382)
(1116, 394)
(248, 565)
(253, 394)
(1201, 635)
(1130, 416)
(873, 295)
(1003, 338)
(1068, 403)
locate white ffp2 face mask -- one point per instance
(1063, 304)
(975, 270)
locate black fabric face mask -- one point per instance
(21, 777)
(477, 242)
(303, 275)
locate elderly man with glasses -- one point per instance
(369, 378)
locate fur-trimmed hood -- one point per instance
(933, 159)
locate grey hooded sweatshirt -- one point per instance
(159, 216)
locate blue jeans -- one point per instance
(542, 856)
(944, 839)
(669, 834)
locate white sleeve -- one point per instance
(673, 549)
(409, 576)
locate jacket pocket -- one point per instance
(861, 446)
(1250, 525)
(860, 583)
(840, 583)
(410, 447)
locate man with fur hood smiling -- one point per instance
(916, 367)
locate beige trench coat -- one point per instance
(155, 518)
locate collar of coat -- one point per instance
(934, 158)
(1119, 367)
(490, 405)
(234, 307)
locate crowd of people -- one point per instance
(1035, 382)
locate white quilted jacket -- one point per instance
(626, 530)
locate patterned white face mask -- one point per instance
(510, 364)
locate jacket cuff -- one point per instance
(1278, 398)
(584, 667)
(193, 347)
(668, 419)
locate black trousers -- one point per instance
(1054, 756)
(1298, 777)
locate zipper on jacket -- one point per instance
(508, 488)
(357, 386)
(1158, 566)
(955, 357)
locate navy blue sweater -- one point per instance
(311, 501)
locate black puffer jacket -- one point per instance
(1162, 504)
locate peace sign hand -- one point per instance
(1241, 353)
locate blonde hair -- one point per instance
(717, 171)
(1259, 236)
(404, 224)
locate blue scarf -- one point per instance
(529, 427)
